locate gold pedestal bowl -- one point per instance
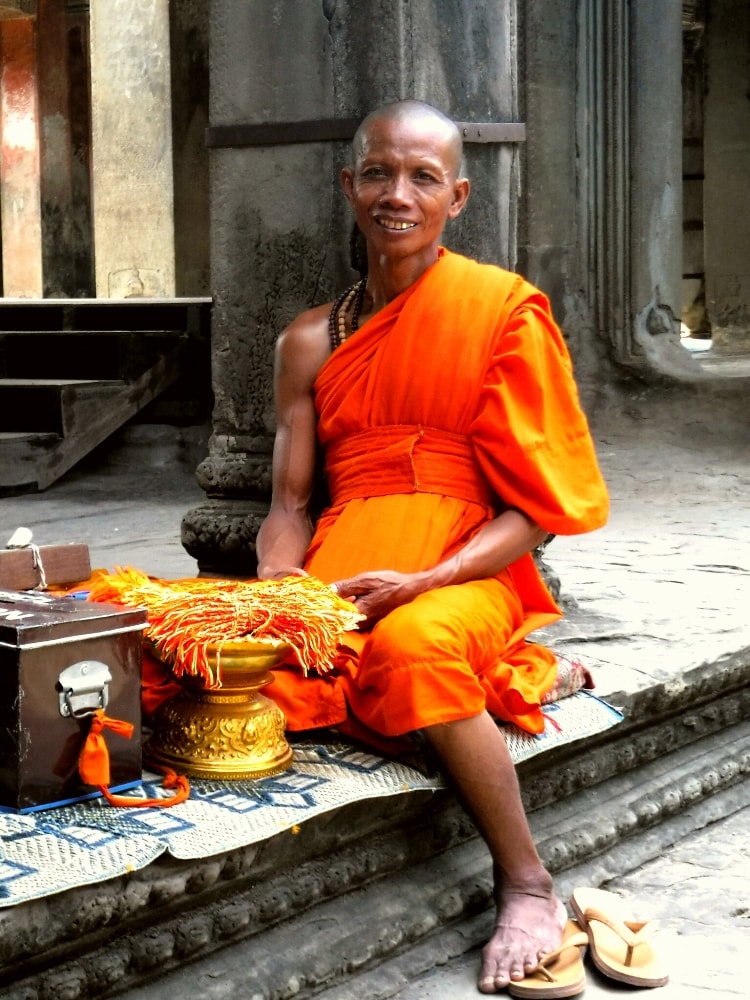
(232, 731)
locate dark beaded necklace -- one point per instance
(354, 296)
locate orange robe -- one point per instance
(454, 402)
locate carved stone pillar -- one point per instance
(603, 198)
(727, 170)
(20, 188)
(279, 223)
(56, 165)
(653, 241)
(132, 149)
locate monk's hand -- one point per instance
(376, 593)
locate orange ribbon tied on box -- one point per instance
(93, 765)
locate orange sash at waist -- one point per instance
(405, 458)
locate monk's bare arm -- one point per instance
(500, 542)
(286, 532)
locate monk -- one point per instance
(441, 395)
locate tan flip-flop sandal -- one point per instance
(559, 974)
(619, 946)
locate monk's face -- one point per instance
(404, 185)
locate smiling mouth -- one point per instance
(394, 225)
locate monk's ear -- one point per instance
(347, 183)
(461, 190)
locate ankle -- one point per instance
(538, 883)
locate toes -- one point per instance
(493, 984)
(492, 979)
(499, 970)
(489, 984)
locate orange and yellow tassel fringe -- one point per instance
(187, 616)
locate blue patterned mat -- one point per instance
(48, 852)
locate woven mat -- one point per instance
(48, 852)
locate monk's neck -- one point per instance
(388, 278)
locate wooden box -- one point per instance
(20, 568)
(60, 659)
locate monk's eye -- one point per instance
(373, 172)
(425, 175)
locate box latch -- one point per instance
(83, 687)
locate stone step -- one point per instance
(725, 365)
(73, 371)
(693, 893)
(375, 938)
(51, 424)
(82, 355)
(380, 881)
(48, 405)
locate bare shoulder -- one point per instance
(304, 345)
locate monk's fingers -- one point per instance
(352, 587)
(344, 589)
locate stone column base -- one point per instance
(220, 535)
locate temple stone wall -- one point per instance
(548, 253)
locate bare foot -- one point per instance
(526, 928)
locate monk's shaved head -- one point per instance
(418, 113)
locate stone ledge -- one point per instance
(682, 744)
(43, 931)
(658, 720)
(693, 688)
(626, 805)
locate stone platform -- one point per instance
(365, 900)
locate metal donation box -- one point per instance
(60, 660)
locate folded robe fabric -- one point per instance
(451, 404)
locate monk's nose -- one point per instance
(398, 191)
